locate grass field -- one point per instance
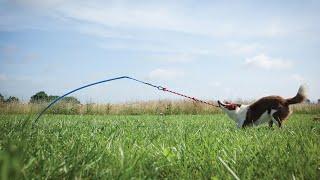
(151, 146)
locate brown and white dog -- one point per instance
(271, 109)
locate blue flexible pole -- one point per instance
(88, 85)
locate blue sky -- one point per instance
(208, 49)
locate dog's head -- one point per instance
(230, 108)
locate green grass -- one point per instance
(150, 146)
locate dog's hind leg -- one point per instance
(279, 122)
(281, 115)
(275, 118)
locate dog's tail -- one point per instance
(300, 97)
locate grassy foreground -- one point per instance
(150, 146)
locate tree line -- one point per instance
(10, 99)
(39, 97)
(42, 97)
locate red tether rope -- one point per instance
(189, 97)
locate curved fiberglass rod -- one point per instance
(88, 85)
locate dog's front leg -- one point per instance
(240, 124)
(279, 122)
(270, 123)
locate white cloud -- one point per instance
(122, 15)
(164, 16)
(266, 62)
(151, 15)
(165, 74)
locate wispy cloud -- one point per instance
(103, 32)
(121, 15)
(165, 74)
(162, 51)
(178, 57)
(266, 62)
(168, 16)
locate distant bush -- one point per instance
(71, 100)
(39, 97)
(42, 97)
(1, 99)
(12, 99)
(51, 98)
